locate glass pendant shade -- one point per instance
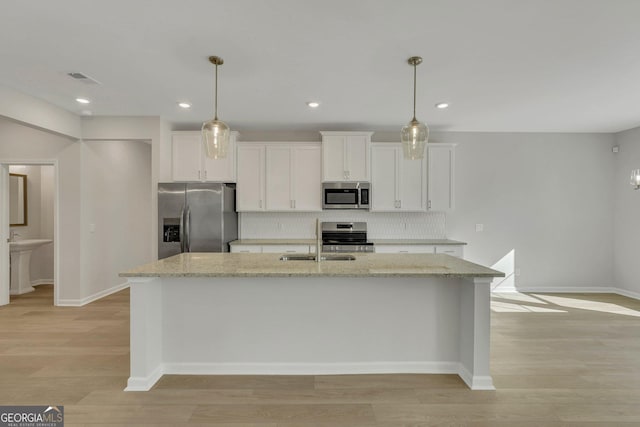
(414, 137)
(635, 179)
(215, 135)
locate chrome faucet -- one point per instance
(12, 235)
(318, 239)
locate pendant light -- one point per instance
(414, 135)
(215, 133)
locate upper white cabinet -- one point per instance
(440, 169)
(398, 184)
(279, 177)
(345, 156)
(190, 162)
(250, 187)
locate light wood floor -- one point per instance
(557, 360)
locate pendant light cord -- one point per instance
(215, 96)
(414, 92)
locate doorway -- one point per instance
(40, 221)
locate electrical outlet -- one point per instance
(517, 272)
(479, 227)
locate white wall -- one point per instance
(627, 213)
(38, 113)
(116, 206)
(546, 197)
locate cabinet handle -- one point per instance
(294, 204)
(199, 172)
(260, 204)
(404, 252)
(429, 204)
(291, 252)
(205, 175)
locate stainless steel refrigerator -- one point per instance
(196, 217)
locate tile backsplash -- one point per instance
(380, 225)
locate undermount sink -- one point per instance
(27, 244)
(313, 258)
(20, 253)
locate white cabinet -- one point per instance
(279, 177)
(453, 250)
(440, 167)
(285, 249)
(190, 163)
(293, 178)
(250, 189)
(249, 249)
(404, 249)
(275, 249)
(345, 156)
(397, 184)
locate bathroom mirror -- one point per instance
(17, 199)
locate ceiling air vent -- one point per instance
(83, 78)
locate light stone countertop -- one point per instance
(375, 241)
(269, 265)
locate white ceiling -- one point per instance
(504, 65)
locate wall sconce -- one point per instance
(635, 179)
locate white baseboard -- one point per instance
(311, 368)
(92, 298)
(475, 382)
(144, 383)
(574, 290)
(42, 282)
(626, 293)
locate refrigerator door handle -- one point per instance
(188, 230)
(182, 230)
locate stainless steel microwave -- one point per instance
(346, 195)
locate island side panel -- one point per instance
(311, 325)
(146, 333)
(475, 333)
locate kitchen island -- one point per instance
(237, 313)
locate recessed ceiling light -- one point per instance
(442, 105)
(313, 104)
(184, 105)
(83, 100)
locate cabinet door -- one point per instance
(251, 249)
(221, 170)
(453, 250)
(440, 192)
(357, 158)
(412, 184)
(404, 249)
(186, 151)
(250, 186)
(384, 173)
(285, 249)
(333, 152)
(278, 179)
(306, 179)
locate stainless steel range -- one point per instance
(345, 237)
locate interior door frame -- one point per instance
(5, 282)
